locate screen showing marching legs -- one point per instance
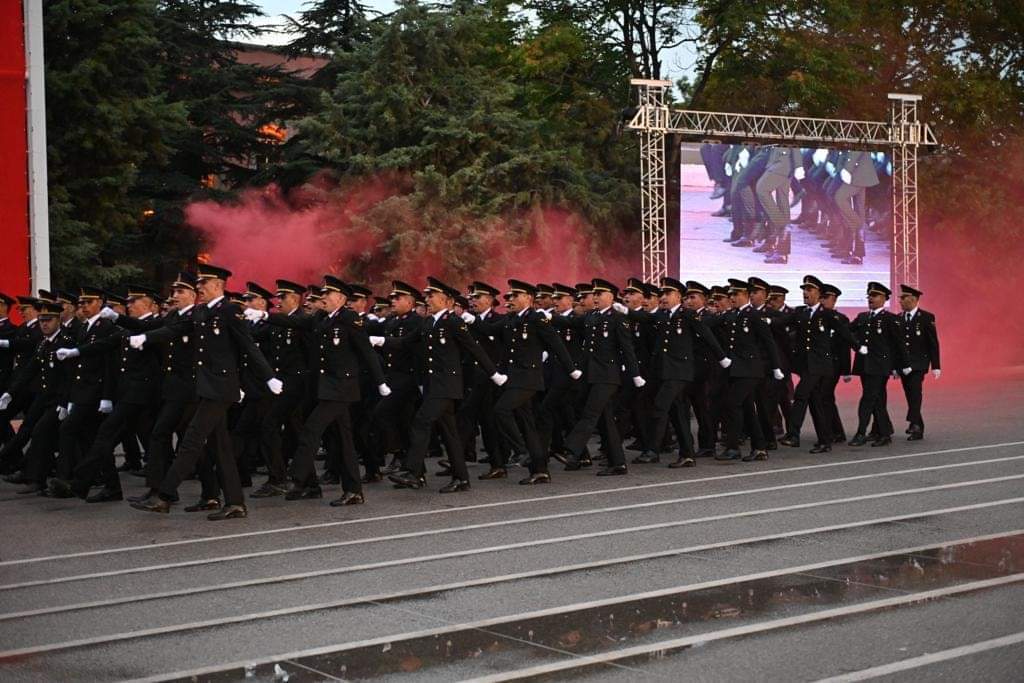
(782, 212)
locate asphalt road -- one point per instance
(899, 563)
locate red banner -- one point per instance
(14, 217)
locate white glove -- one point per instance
(499, 378)
(907, 371)
(847, 378)
(275, 385)
(136, 341)
(64, 354)
(638, 381)
(468, 318)
(725, 362)
(106, 406)
(241, 396)
(743, 159)
(384, 390)
(799, 173)
(863, 350)
(846, 177)
(109, 313)
(62, 413)
(373, 317)
(70, 406)
(5, 401)
(819, 156)
(545, 312)
(5, 343)
(543, 356)
(936, 373)
(254, 315)
(620, 308)
(420, 387)
(376, 341)
(777, 374)
(728, 170)
(576, 374)
(830, 167)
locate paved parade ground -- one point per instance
(904, 563)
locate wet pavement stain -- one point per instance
(599, 629)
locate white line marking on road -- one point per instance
(348, 602)
(926, 660)
(503, 503)
(761, 627)
(433, 532)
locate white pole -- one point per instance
(38, 204)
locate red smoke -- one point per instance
(374, 231)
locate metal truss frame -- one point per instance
(902, 134)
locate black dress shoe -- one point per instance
(406, 480)
(348, 499)
(791, 441)
(372, 477)
(915, 436)
(771, 446)
(755, 455)
(882, 441)
(494, 473)
(612, 471)
(303, 493)
(454, 486)
(586, 462)
(142, 496)
(204, 504)
(705, 453)
(683, 461)
(729, 454)
(858, 440)
(61, 489)
(538, 478)
(634, 445)
(105, 495)
(269, 490)
(16, 478)
(841, 438)
(559, 456)
(154, 504)
(330, 479)
(821, 448)
(229, 512)
(646, 458)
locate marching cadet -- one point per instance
(768, 394)
(344, 348)
(221, 336)
(288, 350)
(398, 340)
(7, 329)
(49, 405)
(22, 342)
(816, 328)
(880, 352)
(705, 367)
(841, 358)
(749, 344)
(136, 385)
(446, 338)
(177, 397)
(557, 412)
(608, 346)
(526, 334)
(91, 391)
(477, 408)
(784, 340)
(921, 346)
(674, 365)
(362, 411)
(635, 406)
(251, 414)
(69, 319)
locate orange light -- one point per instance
(274, 132)
(203, 257)
(148, 213)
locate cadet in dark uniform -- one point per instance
(398, 339)
(526, 334)
(136, 386)
(49, 407)
(344, 348)
(841, 356)
(816, 328)
(768, 393)
(921, 346)
(706, 367)
(608, 346)
(749, 343)
(557, 412)
(880, 352)
(673, 365)
(288, 351)
(446, 338)
(18, 346)
(220, 336)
